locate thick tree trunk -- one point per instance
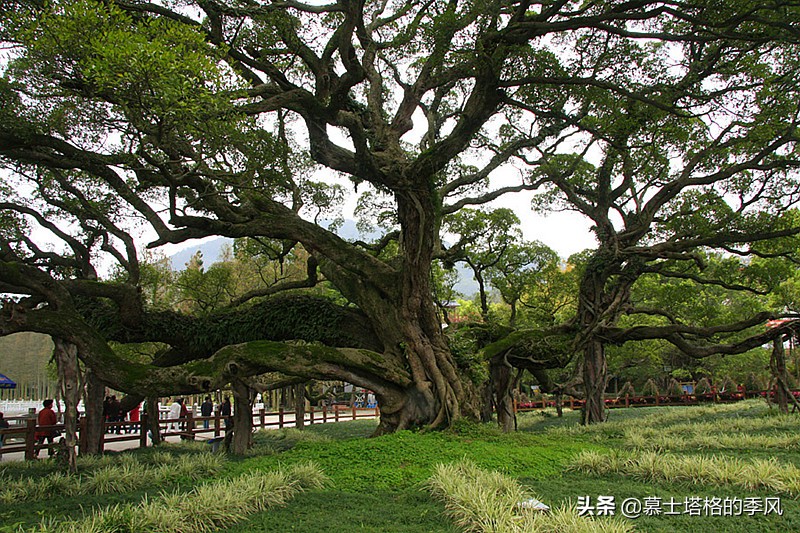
(594, 311)
(93, 403)
(66, 355)
(299, 405)
(502, 382)
(487, 402)
(594, 382)
(780, 376)
(153, 425)
(440, 393)
(402, 310)
(242, 418)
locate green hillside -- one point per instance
(24, 358)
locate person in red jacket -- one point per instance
(46, 417)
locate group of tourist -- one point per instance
(178, 410)
(44, 419)
(113, 413)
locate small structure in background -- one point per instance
(7, 383)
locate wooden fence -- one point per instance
(647, 401)
(20, 437)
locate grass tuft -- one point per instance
(649, 466)
(205, 508)
(124, 473)
(482, 501)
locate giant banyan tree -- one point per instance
(125, 124)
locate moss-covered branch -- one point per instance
(312, 361)
(283, 318)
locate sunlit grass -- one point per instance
(208, 507)
(485, 501)
(120, 474)
(655, 467)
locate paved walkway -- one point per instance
(271, 422)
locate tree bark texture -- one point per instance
(594, 380)
(299, 405)
(242, 418)
(95, 423)
(502, 384)
(66, 355)
(777, 365)
(153, 422)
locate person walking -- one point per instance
(226, 411)
(114, 411)
(206, 408)
(184, 425)
(175, 413)
(134, 416)
(46, 417)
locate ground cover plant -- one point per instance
(483, 501)
(127, 473)
(208, 507)
(382, 484)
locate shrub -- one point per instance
(674, 388)
(650, 388)
(702, 386)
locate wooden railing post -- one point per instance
(335, 413)
(571, 402)
(311, 415)
(280, 417)
(324, 414)
(657, 399)
(354, 411)
(262, 418)
(217, 423)
(30, 440)
(627, 400)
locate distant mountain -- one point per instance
(466, 285)
(212, 252)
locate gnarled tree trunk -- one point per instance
(593, 312)
(777, 364)
(439, 394)
(299, 405)
(502, 383)
(594, 379)
(242, 417)
(93, 403)
(66, 355)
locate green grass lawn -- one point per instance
(378, 484)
